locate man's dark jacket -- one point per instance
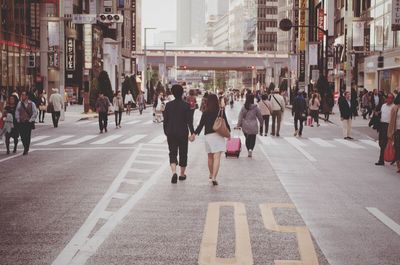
(178, 119)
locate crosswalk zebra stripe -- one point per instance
(39, 138)
(108, 139)
(83, 122)
(148, 122)
(371, 143)
(158, 140)
(132, 122)
(349, 144)
(267, 141)
(133, 139)
(81, 140)
(56, 140)
(321, 142)
(294, 141)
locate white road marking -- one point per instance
(81, 248)
(294, 141)
(132, 181)
(321, 142)
(349, 143)
(121, 196)
(385, 219)
(371, 143)
(11, 157)
(137, 170)
(153, 155)
(39, 138)
(94, 123)
(155, 149)
(106, 215)
(56, 140)
(133, 139)
(267, 141)
(148, 122)
(83, 148)
(108, 139)
(81, 140)
(296, 145)
(132, 122)
(83, 122)
(158, 140)
(146, 162)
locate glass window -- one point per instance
(378, 34)
(388, 33)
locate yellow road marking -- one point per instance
(208, 250)
(306, 246)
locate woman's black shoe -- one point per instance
(215, 183)
(181, 178)
(174, 179)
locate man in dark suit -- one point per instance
(178, 121)
(346, 114)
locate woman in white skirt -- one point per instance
(215, 143)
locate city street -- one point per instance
(81, 197)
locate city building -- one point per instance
(243, 25)
(220, 39)
(19, 45)
(216, 7)
(164, 36)
(267, 25)
(191, 24)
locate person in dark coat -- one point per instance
(346, 114)
(178, 121)
(299, 112)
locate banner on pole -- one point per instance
(321, 20)
(358, 33)
(313, 54)
(54, 34)
(396, 15)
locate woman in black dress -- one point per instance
(10, 108)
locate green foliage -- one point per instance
(104, 85)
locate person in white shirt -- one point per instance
(58, 104)
(128, 102)
(277, 107)
(385, 112)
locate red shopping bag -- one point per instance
(310, 121)
(390, 153)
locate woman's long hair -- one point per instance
(249, 101)
(212, 103)
(313, 98)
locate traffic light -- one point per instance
(380, 61)
(110, 18)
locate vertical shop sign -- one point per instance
(70, 54)
(321, 20)
(396, 15)
(358, 33)
(87, 29)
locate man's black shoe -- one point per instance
(181, 178)
(25, 152)
(379, 164)
(174, 179)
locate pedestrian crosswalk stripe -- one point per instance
(132, 122)
(81, 140)
(158, 140)
(371, 143)
(132, 181)
(108, 139)
(148, 122)
(94, 123)
(294, 141)
(321, 142)
(146, 162)
(56, 140)
(138, 170)
(267, 140)
(152, 155)
(39, 138)
(133, 139)
(350, 144)
(121, 196)
(83, 122)
(154, 149)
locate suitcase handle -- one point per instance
(238, 130)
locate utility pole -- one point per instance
(165, 73)
(62, 56)
(144, 76)
(349, 41)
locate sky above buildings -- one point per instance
(160, 14)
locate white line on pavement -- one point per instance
(83, 122)
(146, 162)
(137, 170)
(108, 139)
(148, 122)
(371, 143)
(321, 142)
(267, 140)
(154, 149)
(294, 141)
(296, 145)
(81, 140)
(385, 219)
(132, 122)
(133, 139)
(84, 148)
(158, 140)
(56, 140)
(11, 157)
(349, 144)
(39, 138)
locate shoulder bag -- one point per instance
(220, 125)
(278, 103)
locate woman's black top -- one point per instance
(207, 120)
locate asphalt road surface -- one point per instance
(81, 197)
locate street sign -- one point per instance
(70, 54)
(396, 15)
(84, 18)
(321, 20)
(285, 24)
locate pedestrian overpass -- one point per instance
(216, 60)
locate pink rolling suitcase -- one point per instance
(233, 146)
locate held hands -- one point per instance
(192, 137)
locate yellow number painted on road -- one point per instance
(208, 250)
(306, 246)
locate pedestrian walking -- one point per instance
(66, 100)
(346, 114)
(278, 108)
(314, 108)
(26, 114)
(394, 129)
(128, 102)
(118, 104)
(57, 101)
(265, 107)
(299, 112)
(384, 115)
(102, 105)
(326, 107)
(178, 122)
(159, 108)
(214, 143)
(11, 129)
(141, 102)
(191, 100)
(248, 116)
(42, 107)
(365, 104)
(354, 102)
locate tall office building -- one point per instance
(267, 24)
(191, 25)
(243, 25)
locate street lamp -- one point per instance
(165, 61)
(144, 77)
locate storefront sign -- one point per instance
(133, 28)
(396, 15)
(296, 22)
(53, 61)
(321, 19)
(54, 33)
(358, 33)
(366, 39)
(70, 54)
(313, 54)
(84, 18)
(302, 72)
(302, 30)
(87, 40)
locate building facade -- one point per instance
(191, 22)
(267, 25)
